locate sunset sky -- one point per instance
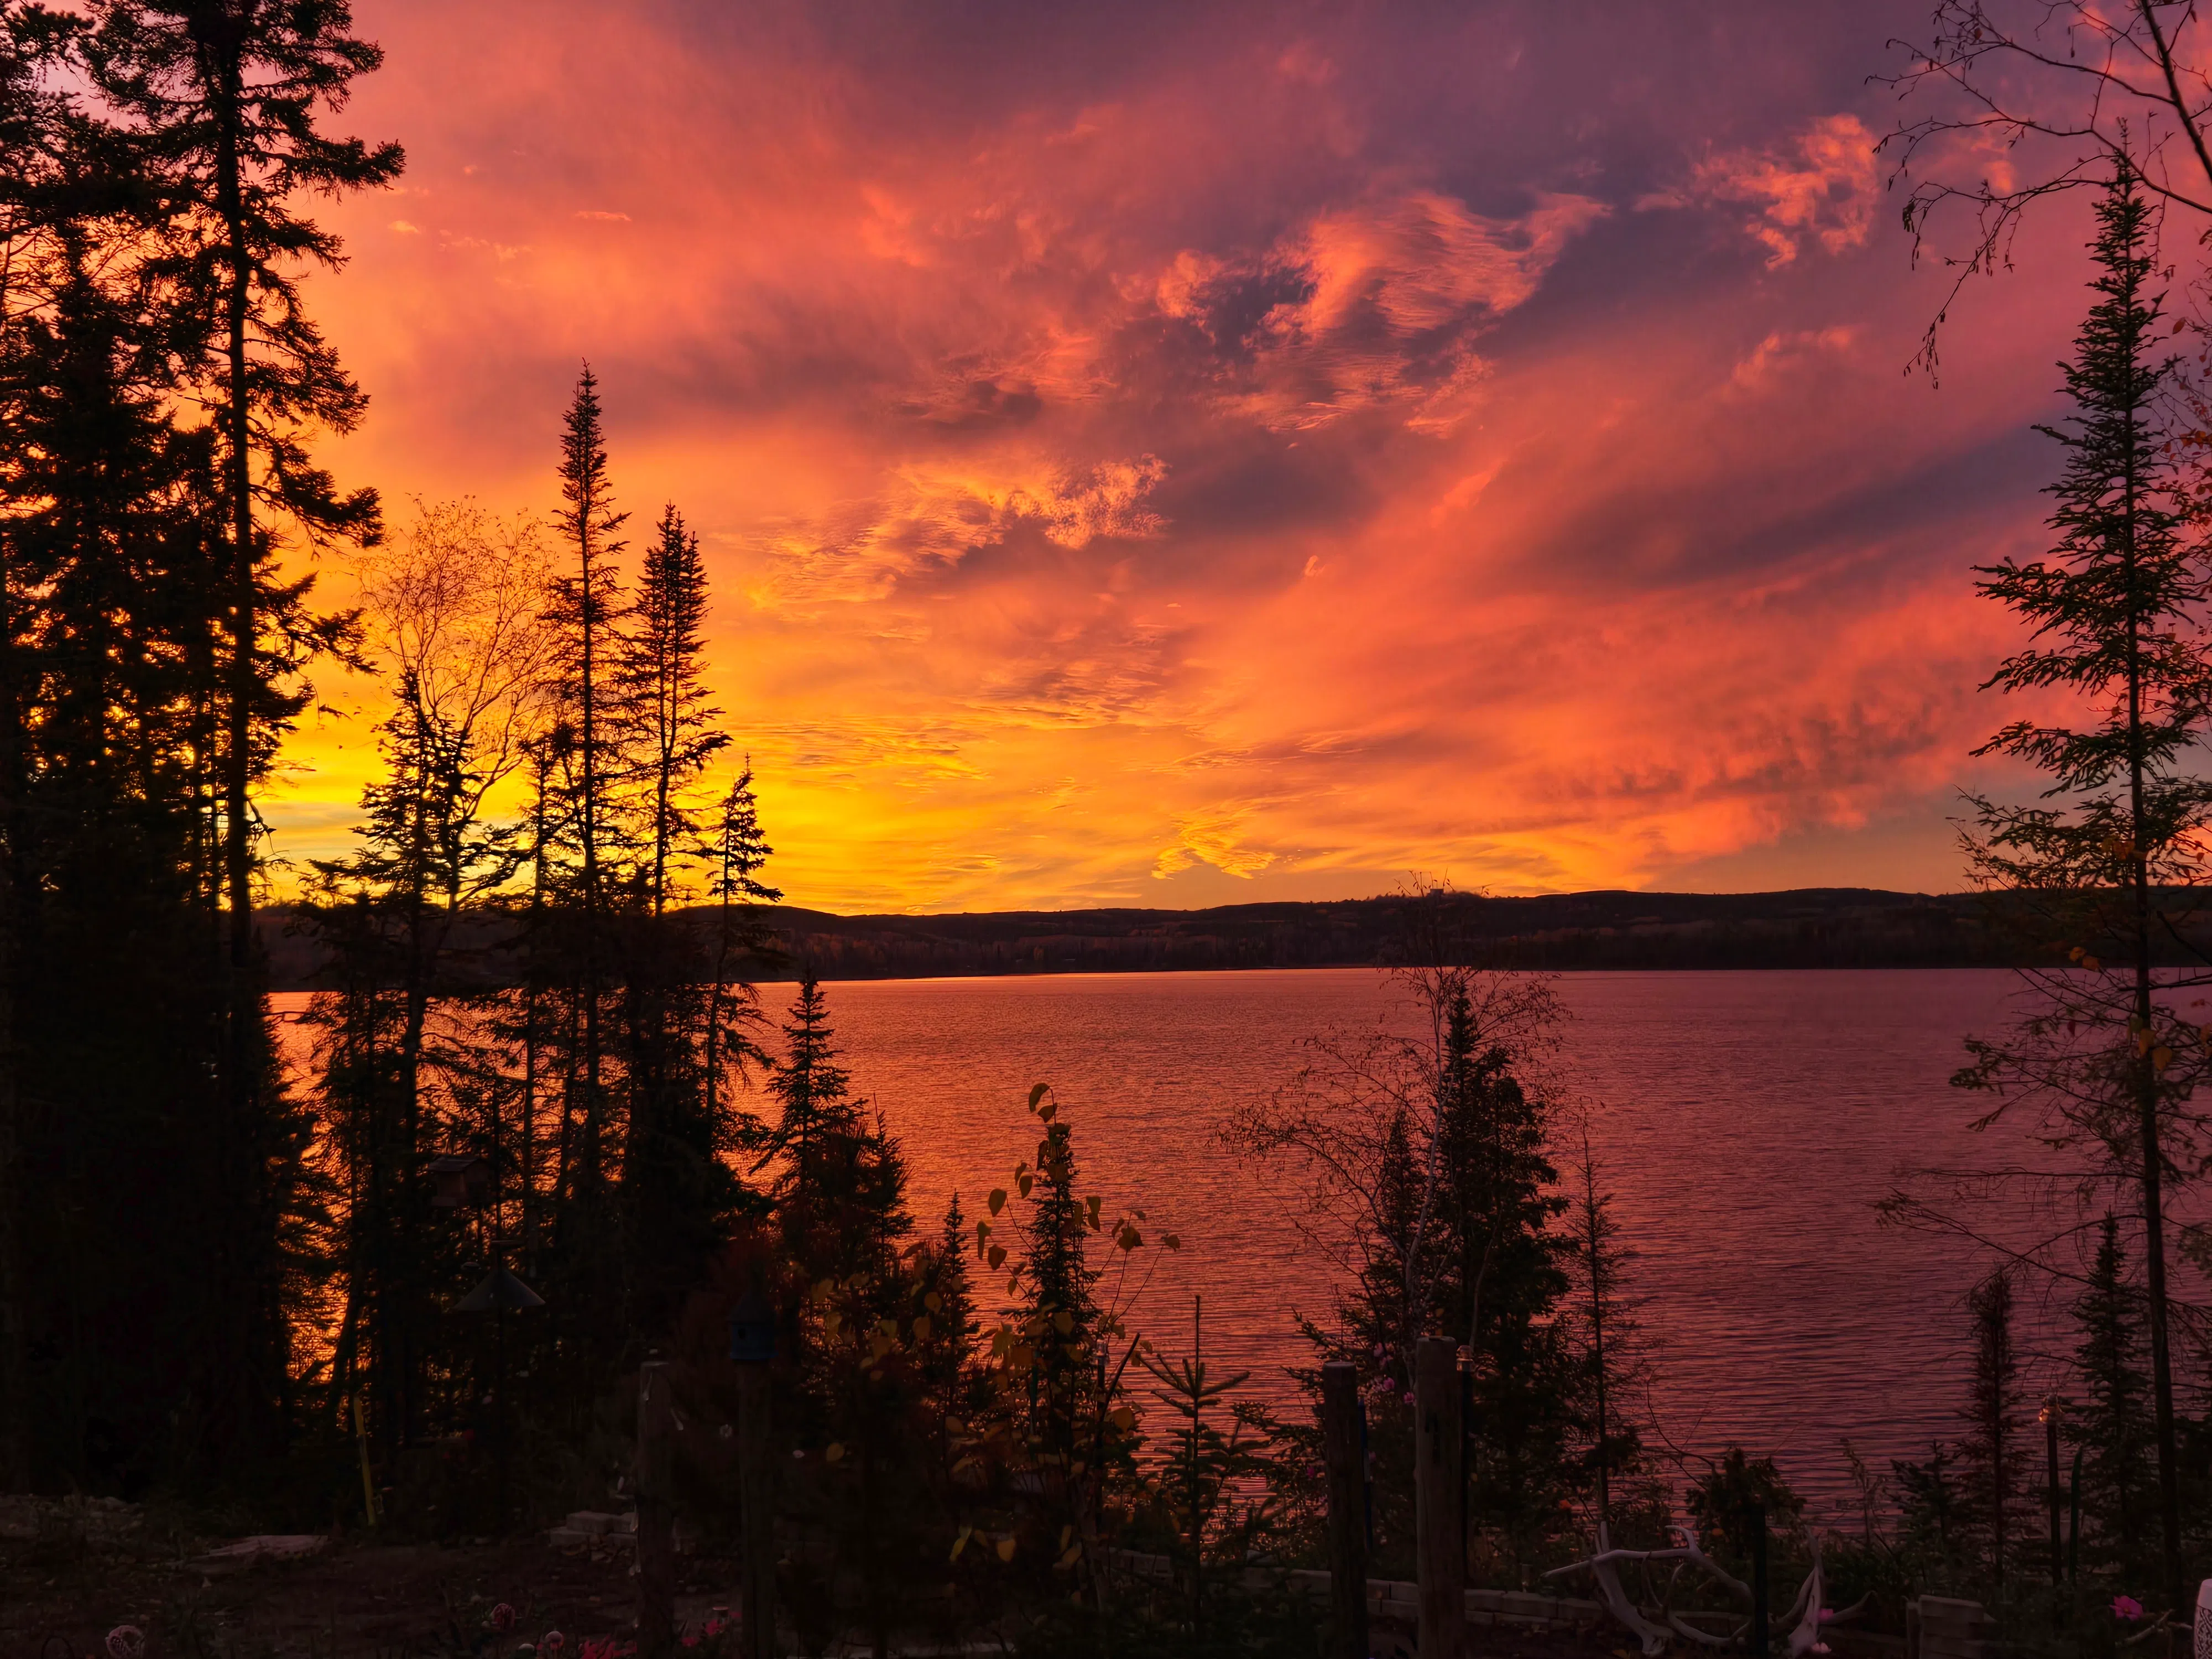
(1179, 454)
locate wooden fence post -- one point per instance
(1438, 1476)
(756, 1516)
(1347, 1508)
(656, 1515)
(1759, 1639)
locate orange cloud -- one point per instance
(1819, 184)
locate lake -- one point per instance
(1747, 1122)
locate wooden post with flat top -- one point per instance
(1347, 1510)
(1437, 1475)
(755, 1518)
(656, 1513)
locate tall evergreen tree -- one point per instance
(1501, 1278)
(2116, 611)
(666, 667)
(1059, 1312)
(1989, 1448)
(735, 853)
(815, 1108)
(588, 609)
(948, 1306)
(2112, 1427)
(225, 101)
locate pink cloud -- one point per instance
(1820, 185)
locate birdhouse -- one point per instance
(459, 1178)
(752, 1329)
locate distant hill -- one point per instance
(1807, 927)
(1814, 928)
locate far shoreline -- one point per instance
(1823, 929)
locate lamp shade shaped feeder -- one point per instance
(500, 1291)
(752, 1329)
(457, 1179)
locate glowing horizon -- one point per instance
(1172, 460)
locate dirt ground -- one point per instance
(72, 1571)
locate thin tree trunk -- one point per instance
(233, 1290)
(530, 1025)
(15, 1307)
(1592, 1219)
(2147, 1087)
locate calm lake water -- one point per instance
(1747, 1123)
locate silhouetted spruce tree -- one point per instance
(1059, 1315)
(139, 1360)
(32, 117)
(2111, 1427)
(1930, 1522)
(949, 1305)
(858, 1388)
(666, 666)
(677, 1193)
(2116, 611)
(814, 1104)
(1500, 1282)
(1612, 1359)
(735, 852)
(1990, 1447)
(226, 101)
(590, 832)
(110, 640)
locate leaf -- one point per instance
(834, 1453)
(1024, 1184)
(921, 1327)
(933, 1301)
(998, 1257)
(1007, 1547)
(2161, 1058)
(1063, 1322)
(1038, 1091)
(1122, 1418)
(1091, 1204)
(1173, 1240)
(997, 1199)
